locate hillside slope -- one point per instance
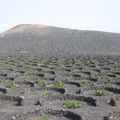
(53, 40)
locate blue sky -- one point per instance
(102, 15)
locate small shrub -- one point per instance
(59, 84)
(45, 93)
(11, 85)
(15, 73)
(102, 77)
(110, 85)
(100, 92)
(32, 71)
(60, 68)
(85, 81)
(46, 69)
(2, 70)
(72, 104)
(40, 81)
(2, 81)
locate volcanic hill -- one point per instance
(48, 40)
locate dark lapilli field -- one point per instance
(33, 87)
(51, 73)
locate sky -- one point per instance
(98, 15)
